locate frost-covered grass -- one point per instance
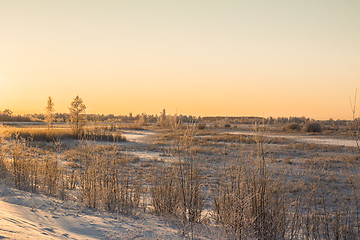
(209, 184)
(51, 134)
(38, 134)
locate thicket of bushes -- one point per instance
(97, 175)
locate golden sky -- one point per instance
(199, 57)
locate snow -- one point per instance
(137, 135)
(25, 215)
(305, 139)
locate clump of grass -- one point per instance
(103, 137)
(133, 126)
(49, 135)
(41, 134)
(236, 138)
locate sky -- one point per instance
(199, 57)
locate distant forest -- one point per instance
(8, 116)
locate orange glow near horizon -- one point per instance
(289, 58)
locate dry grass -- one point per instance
(253, 196)
(134, 126)
(49, 135)
(249, 201)
(39, 134)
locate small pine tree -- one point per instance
(50, 112)
(77, 115)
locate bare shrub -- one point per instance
(191, 196)
(191, 193)
(354, 126)
(320, 220)
(313, 127)
(249, 201)
(24, 165)
(104, 185)
(51, 175)
(229, 201)
(177, 190)
(201, 126)
(165, 191)
(20, 170)
(3, 167)
(293, 126)
(35, 173)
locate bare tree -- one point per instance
(77, 114)
(50, 112)
(162, 118)
(355, 124)
(8, 112)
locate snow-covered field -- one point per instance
(25, 215)
(305, 139)
(137, 135)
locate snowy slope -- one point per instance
(31, 216)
